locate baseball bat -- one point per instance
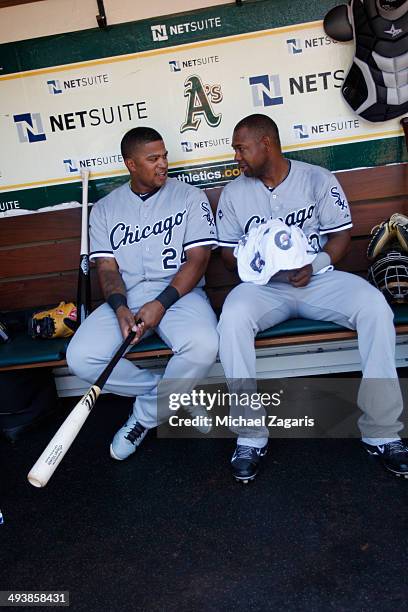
(404, 123)
(84, 279)
(53, 454)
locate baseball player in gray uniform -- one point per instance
(273, 187)
(151, 240)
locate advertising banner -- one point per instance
(55, 121)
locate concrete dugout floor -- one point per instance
(323, 527)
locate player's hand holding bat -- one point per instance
(150, 314)
(129, 323)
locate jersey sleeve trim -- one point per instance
(201, 242)
(338, 228)
(228, 243)
(96, 254)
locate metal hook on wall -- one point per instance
(101, 18)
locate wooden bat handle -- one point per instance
(404, 123)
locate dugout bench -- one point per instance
(39, 263)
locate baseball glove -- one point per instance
(400, 222)
(393, 232)
(58, 322)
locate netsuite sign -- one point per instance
(30, 126)
(267, 90)
(163, 32)
(59, 86)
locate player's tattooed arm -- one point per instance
(184, 281)
(111, 283)
(109, 277)
(229, 259)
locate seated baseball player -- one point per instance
(151, 240)
(273, 187)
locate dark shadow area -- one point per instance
(323, 527)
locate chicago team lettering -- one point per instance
(122, 234)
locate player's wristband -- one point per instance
(322, 260)
(117, 299)
(168, 297)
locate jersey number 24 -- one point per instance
(170, 259)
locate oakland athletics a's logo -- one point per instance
(199, 99)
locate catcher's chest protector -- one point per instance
(376, 86)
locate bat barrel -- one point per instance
(35, 481)
(55, 451)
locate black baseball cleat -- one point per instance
(245, 462)
(394, 456)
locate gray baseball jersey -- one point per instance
(310, 197)
(148, 238)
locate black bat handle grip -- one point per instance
(119, 353)
(404, 123)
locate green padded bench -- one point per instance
(25, 352)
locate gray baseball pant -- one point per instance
(188, 328)
(336, 296)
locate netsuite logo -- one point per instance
(294, 45)
(54, 87)
(301, 131)
(322, 129)
(174, 66)
(29, 127)
(266, 90)
(179, 65)
(58, 86)
(297, 45)
(187, 146)
(161, 32)
(70, 166)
